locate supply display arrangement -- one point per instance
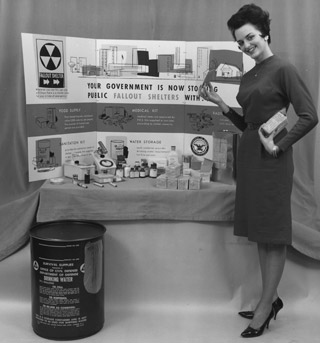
(170, 172)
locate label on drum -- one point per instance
(68, 288)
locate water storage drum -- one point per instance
(67, 279)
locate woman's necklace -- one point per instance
(256, 74)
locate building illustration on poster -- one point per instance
(127, 61)
(141, 94)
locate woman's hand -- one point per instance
(207, 92)
(268, 143)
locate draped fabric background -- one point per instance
(294, 30)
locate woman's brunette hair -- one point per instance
(251, 14)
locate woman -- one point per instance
(265, 165)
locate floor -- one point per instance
(183, 320)
(172, 325)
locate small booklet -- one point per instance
(275, 124)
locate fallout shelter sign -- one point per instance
(50, 63)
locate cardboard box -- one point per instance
(172, 183)
(206, 170)
(161, 181)
(194, 183)
(183, 182)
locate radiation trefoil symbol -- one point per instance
(50, 56)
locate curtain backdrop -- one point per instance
(294, 30)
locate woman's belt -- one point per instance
(253, 126)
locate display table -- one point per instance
(135, 199)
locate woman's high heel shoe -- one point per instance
(246, 314)
(251, 332)
(277, 305)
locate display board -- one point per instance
(137, 95)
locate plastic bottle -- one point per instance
(186, 162)
(75, 179)
(126, 171)
(172, 157)
(119, 171)
(142, 172)
(146, 168)
(136, 171)
(132, 173)
(87, 177)
(153, 170)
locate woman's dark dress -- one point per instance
(264, 183)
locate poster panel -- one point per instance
(134, 93)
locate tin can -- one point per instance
(67, 279)
(116, 148)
